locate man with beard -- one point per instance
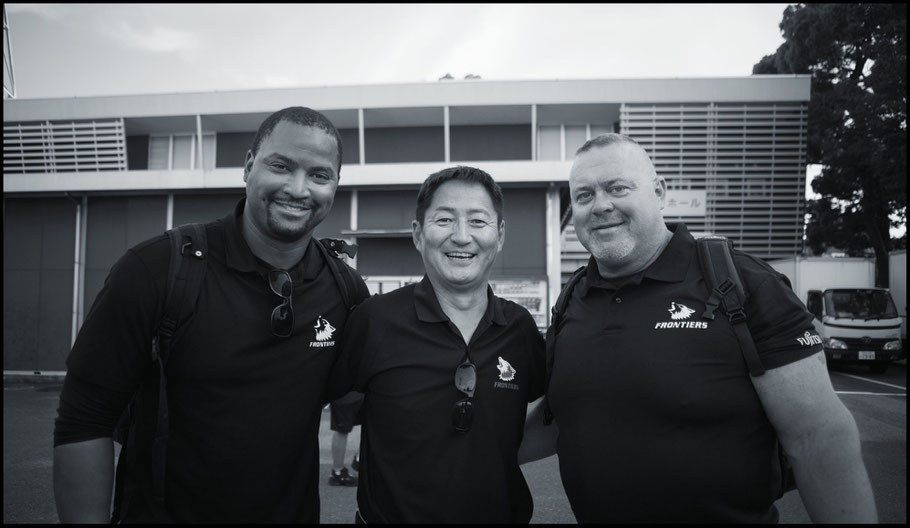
(245, 389)
(659, 417)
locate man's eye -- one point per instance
(583, 196)
(279, 166)
(443, 221)
(478, 222)
(322, 176)
(619, 190)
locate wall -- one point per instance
(38, 262)
(490, 143)
(398, 145)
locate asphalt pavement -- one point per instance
(878, 403)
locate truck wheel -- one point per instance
(878, 369)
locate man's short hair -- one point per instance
(300, 115)
(611, 138)
(460, 173)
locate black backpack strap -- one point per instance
(556, 314)
(186, 272)
(352, 290)
(715, 256)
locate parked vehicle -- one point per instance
(858, 323)
(897, 283)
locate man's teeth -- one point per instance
(459, 255)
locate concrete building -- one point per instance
(86, 178)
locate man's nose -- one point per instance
(299, 185)
(461, 234)
(603, 203)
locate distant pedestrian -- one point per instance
(659, 419)
(246, 376)
(345, 413)
(447, 370)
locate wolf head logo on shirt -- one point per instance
(506, 372)
(324, 329)
(680, 311)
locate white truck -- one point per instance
(858, 323)
(897, 283)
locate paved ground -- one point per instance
(877, 402)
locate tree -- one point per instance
(857, 55)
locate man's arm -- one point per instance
(539, 440)
(84, 481)
(821, 439)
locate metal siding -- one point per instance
(386, 209)
(388, 256)
(490, 143)
(338, 219)
(203, 208)
(231, 148)
(524, 251)
(350, 142)
(404, 144)
(39, 245)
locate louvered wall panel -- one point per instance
(750, 158)
(76, 146)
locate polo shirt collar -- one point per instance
(429, 311)
(240, 257)
(671, 266)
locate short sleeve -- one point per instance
(348, 372)
(113, 348)
(780, 324)
(537, 352)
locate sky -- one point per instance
(65, 50)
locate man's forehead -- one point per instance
(616, 161)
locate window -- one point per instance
(179, 151)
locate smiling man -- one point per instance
(447, 369)
(246, 375)
(659, 418)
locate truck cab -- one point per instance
(857, 325)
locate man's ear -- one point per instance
(660, 189)
(416, 233)
(502, 233)
(248, 165)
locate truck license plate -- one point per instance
(866, 354)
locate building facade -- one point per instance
(86, 178)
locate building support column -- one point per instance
(200, 163)
(445, 127)
(169, 216)
(77, 270)
(554, 247)
(355, 199)
(533, 132)
(360, 136)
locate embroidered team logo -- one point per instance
(324, 331)
(808, 339)
(506, 372)
(680, 311)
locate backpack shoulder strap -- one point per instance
(189, 249)
(715, 256)
(557, 312)
(352, 290)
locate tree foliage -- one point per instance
(857, 55)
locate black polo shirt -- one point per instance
(401, 350)
(658, 418)
(244, 405)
